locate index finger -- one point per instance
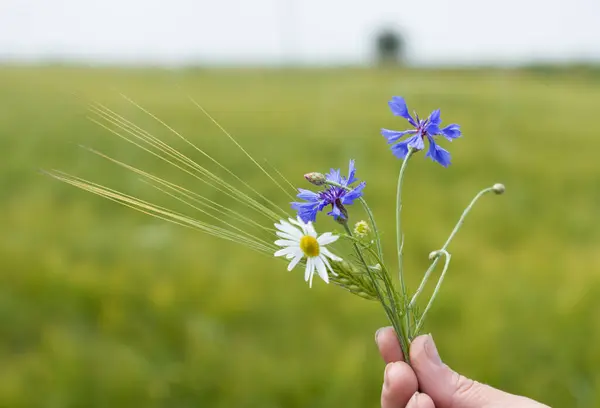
(388, 345)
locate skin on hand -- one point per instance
(429, 383)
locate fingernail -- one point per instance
(386, 379)
(377, 334)
(431, 351)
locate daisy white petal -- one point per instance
(310, 230)
(328, 265)
(295, 261)
(321, 269)
(327, 238)
(299, 241)
(289, 229)
(286, 242)
(297, 222)
(285, 235)
(294, 253)
(285, 251)
(309, 271)
(331, 256)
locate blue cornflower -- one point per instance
(337, 197)
(423, 127)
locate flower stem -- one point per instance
(443, 250)
(423, 283)
(399, 235)
(435, 291)
(392, 309)
(375, 230)
(400, 243)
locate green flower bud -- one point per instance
(318, 179)
(498, 188)
(362, 229)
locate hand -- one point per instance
(429, 383)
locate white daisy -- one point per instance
(300, 240)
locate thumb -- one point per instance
(450, 389)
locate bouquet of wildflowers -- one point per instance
(291, 234)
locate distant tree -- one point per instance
(390, 47)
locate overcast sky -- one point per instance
(307, 31)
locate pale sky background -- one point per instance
(298, 31)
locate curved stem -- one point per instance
(464, 215)
(436, 290)
(423, 283)
(447, 243)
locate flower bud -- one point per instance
(318, 179)
(498, 188)
(362, 229)
(433, 255)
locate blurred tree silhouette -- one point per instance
(390, 47)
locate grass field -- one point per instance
(101, 306)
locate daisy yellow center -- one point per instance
(309, 246)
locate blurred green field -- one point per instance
(101, 306)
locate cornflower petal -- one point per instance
(356, 193)
(334, 175)
(337, 196)
(416, 143)
(351, 172)
(429, 128)
(336, 212)
(400, 150)
(451, 132)
(307, 195)
(437, 153)
(307, 211)
(434, 118)
(393, 135)
(398, 107)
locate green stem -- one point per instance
(400, 242)
(435, 291)
(447, 243)
(375, 230)
(423, 283)
(393, 313)
(399, 235)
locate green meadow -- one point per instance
(103, 306)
